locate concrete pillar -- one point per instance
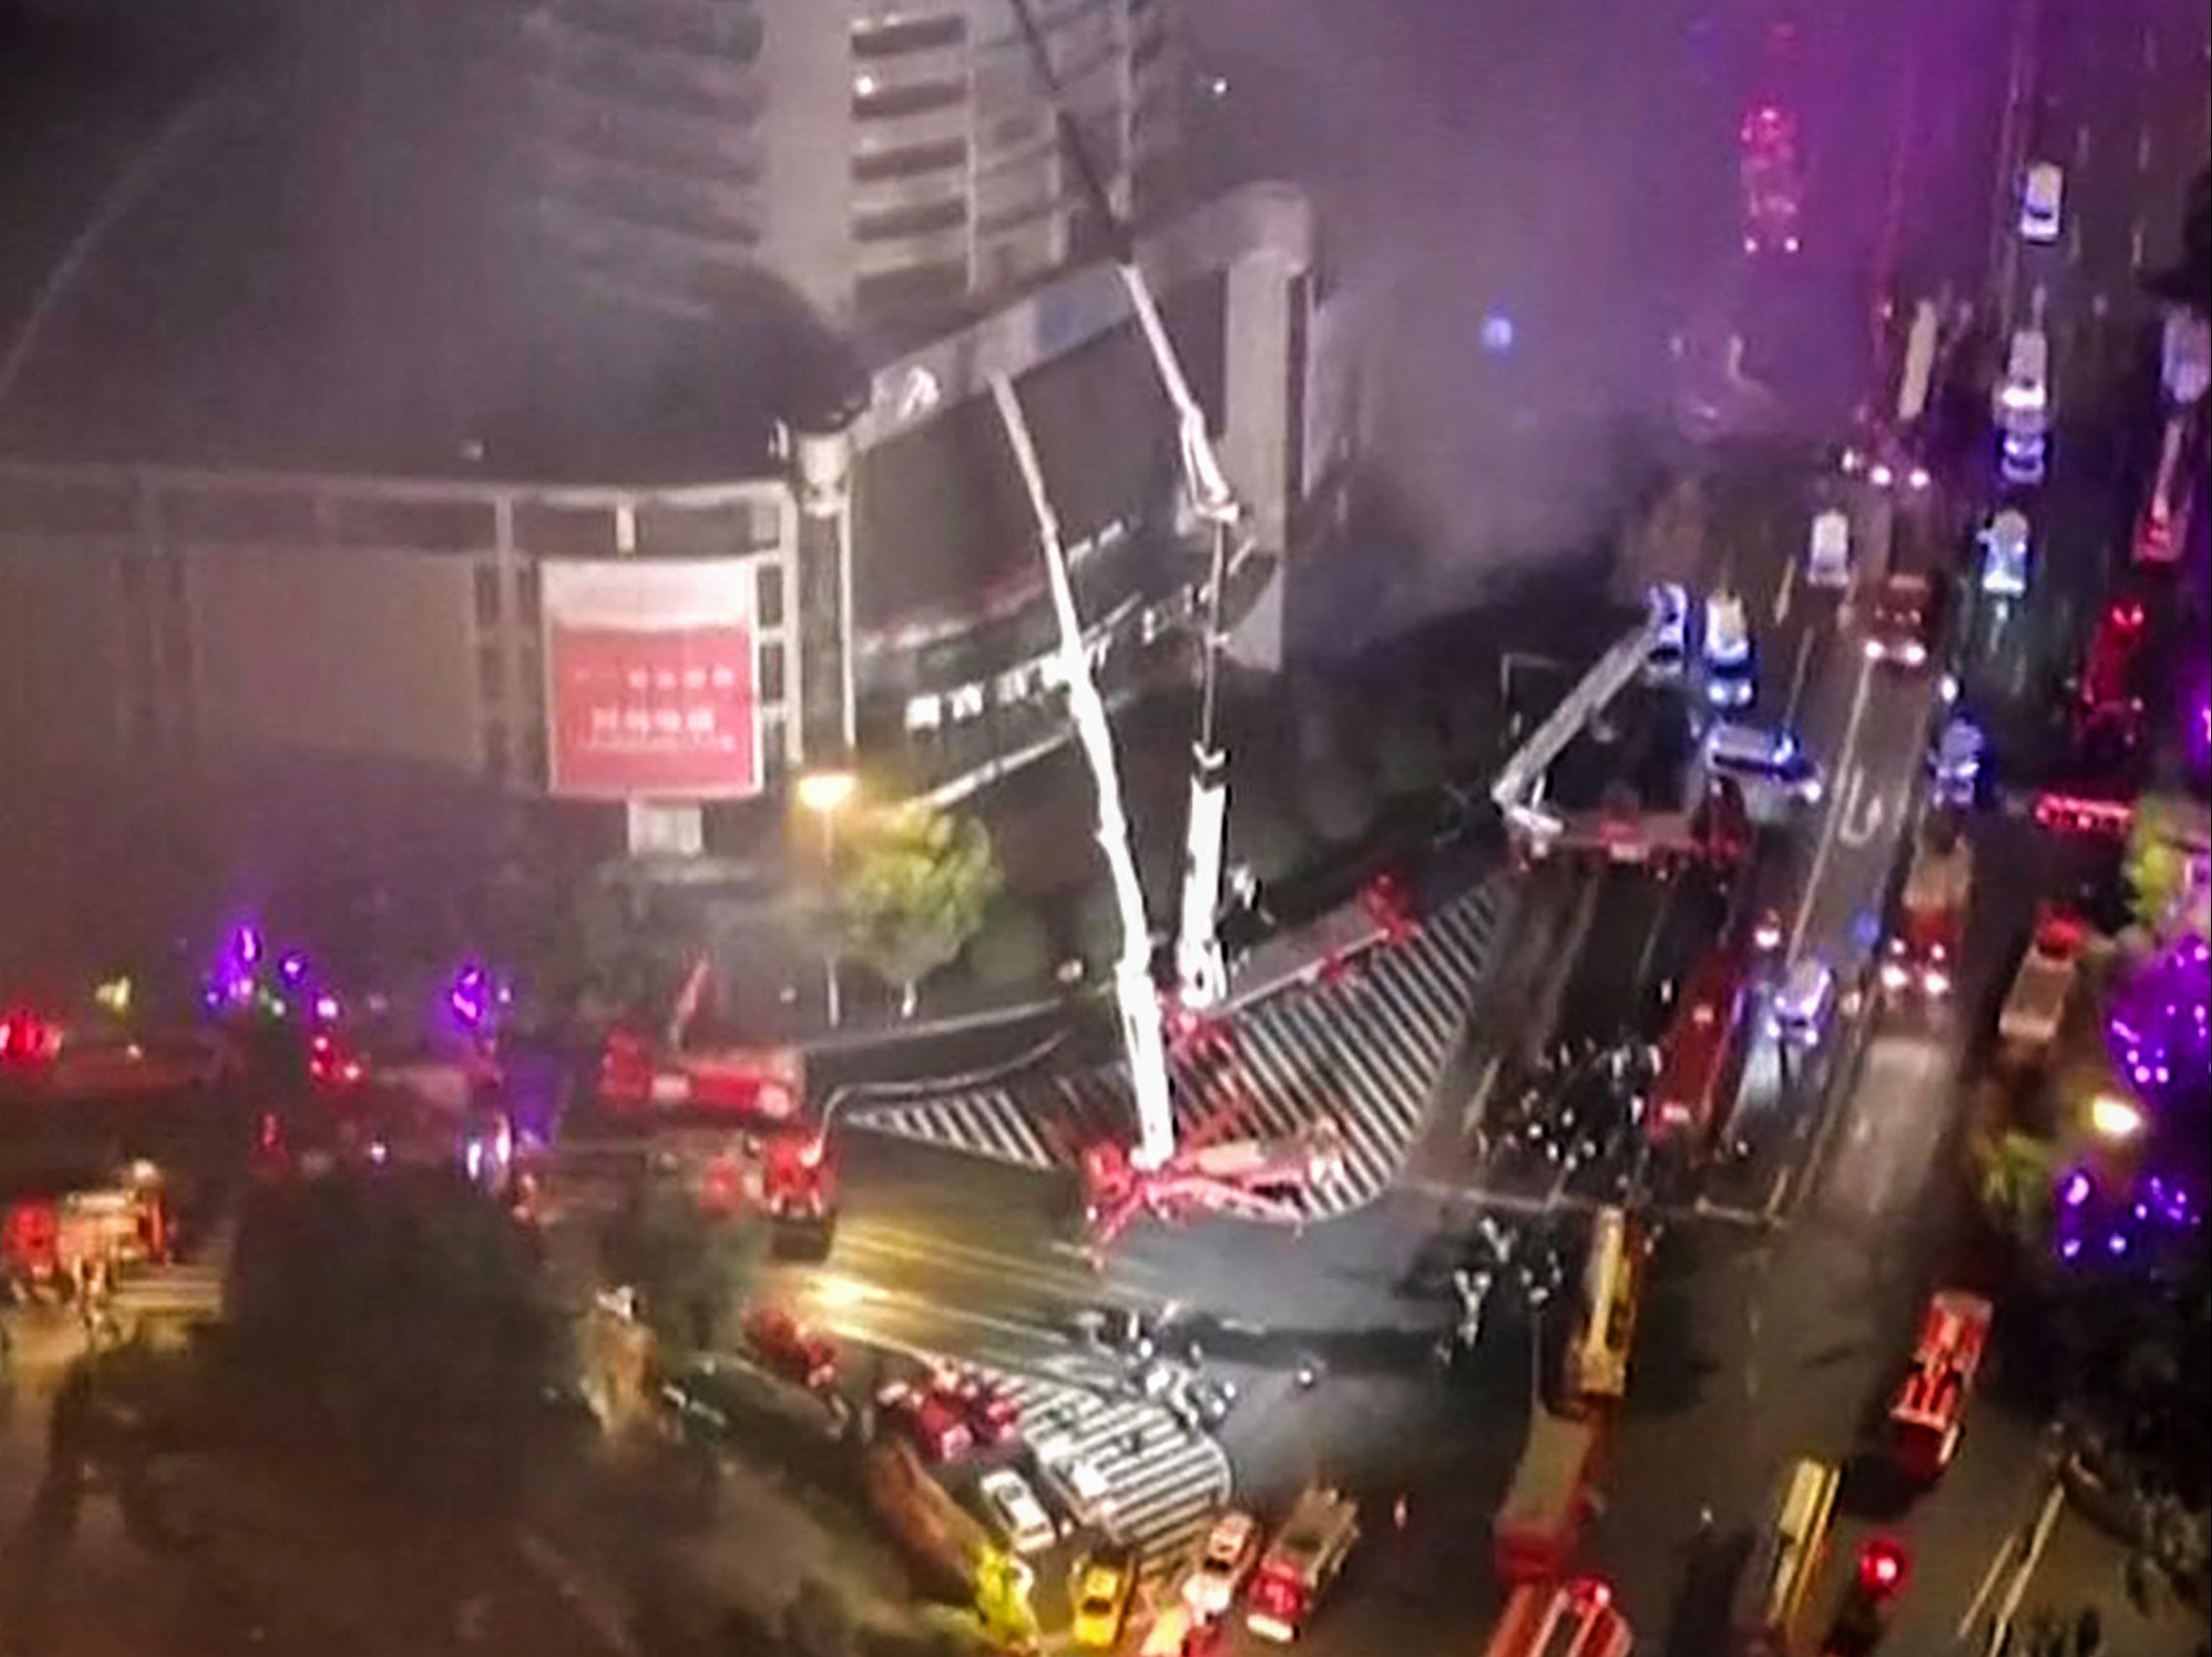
(822, 566)
(1258, 445)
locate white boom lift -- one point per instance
(1135, 997)
(1518, 791)
(1202, 977)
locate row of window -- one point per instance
(896, 36)
(1042, 675)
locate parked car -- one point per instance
(1100, 1591)
(1015, 1512)
(1224, 1558)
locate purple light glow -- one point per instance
(245, 946)
(293, 967)
(2076, 1191)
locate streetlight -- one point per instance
(2112, 1118)
(826, 794)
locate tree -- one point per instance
(2013, 1175)
(2157, 868)
(385, 1310)
(818, 1623)
(915, 892)
(692, 1268)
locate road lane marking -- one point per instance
(2135, 241)
(1859, 828)
(2142, 149)
(1779, 1194)
(2081, 143)
(874, 1298)
(2045, 1522)
(1785, 593)
(1829, 824)
(1797, 677)
(1998, 1560)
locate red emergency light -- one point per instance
(1882, 1567)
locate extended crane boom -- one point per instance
(1202, 977)
(1134, 996)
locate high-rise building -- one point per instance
(890, 161)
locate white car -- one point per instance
(2004, 554)
(1015, 1512)
(1224, 1560)
(1075, 1481)
(1731, 669)
(1762, 759)
(1799, 1014)
(2042, 196)
(2023, 397)
(1827, 553)
(1669, 643)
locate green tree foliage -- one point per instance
(2157, 869)
(391, 1305)
(2013, 1175)
(817, 1623)
(691, 1268)
(915, 892)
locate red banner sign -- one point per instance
(651, 684)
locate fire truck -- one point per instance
(2034, 1007)
(1701, 1061)
(1920, 957)
(1301, 1563)
(52, 1240)
(639, 1076)
(1927, 1415)
(664, 1074)
(1536, 1530)
(1716, 832)
(1576, 1619)
(51, 1059)
(1597, 1351)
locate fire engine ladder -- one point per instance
(1134, 996)
(1202, 977)
(1519, 779)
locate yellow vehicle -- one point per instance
(1775, 1582)
(1171, 1635)
(1104, 1583)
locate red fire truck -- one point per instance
(1922, 956)
(639, 1075)
(1928, 1412)
(51, 1238)
(1576, 1619)
(1536, 1530)
(1301, 1563)
(1703, 1059)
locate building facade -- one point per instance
(892, 583)
(887, 160)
